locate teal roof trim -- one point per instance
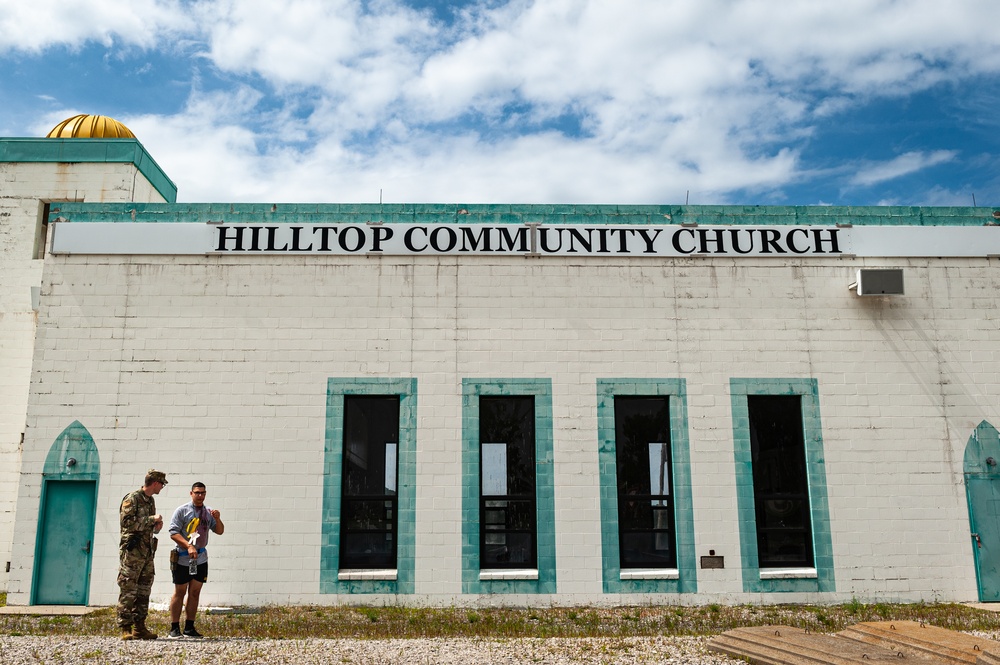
(436, 213)
(108, 151)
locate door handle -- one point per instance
(87, 548)
(979, 543)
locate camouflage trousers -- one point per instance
(135, 581)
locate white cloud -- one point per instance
(357, 61)
(215, 159)
(936, 196)
(331, 99)
(36, 25)
(905, 164)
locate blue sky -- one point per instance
(779, 102)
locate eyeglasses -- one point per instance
(197, 492)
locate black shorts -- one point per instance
(182, 576)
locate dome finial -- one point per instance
(90, 127)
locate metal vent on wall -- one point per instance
(879, 282)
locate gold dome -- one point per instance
(90, 127)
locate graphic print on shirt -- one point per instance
(195, 529)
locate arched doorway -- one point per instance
(982, 488)
(65, 535)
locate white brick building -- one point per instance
(34, 172)
(455, 404)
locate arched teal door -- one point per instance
(982, 487)
(65, 535)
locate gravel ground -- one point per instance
(680, 650)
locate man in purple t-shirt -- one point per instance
(189, 529)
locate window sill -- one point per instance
(505, 574)
(375, 575)
(650, 574)
(788, 573)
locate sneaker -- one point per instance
(191, 632)
(174, 633)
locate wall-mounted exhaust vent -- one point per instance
(879, 282)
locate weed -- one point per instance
(293, 622)
(823, 618)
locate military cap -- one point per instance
(155, 476)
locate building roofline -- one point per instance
(76, 150)
(434, 213)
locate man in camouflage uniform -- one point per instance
(139, 521)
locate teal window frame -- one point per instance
(680, 467)
(808, 391)
(541, 389)
(337, 389)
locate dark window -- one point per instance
(780, 485)
(645, 486)
(507, 525)
(368, 518)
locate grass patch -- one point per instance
(297, 622)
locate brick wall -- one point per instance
(216, 369)
(23, 189)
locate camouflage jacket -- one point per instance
(136, 515)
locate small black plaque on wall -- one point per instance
(713, 562)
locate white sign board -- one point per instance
(527, 240)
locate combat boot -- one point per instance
(127, 633)
(140, 632)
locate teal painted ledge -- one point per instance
(438, 213)
(73, 151)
